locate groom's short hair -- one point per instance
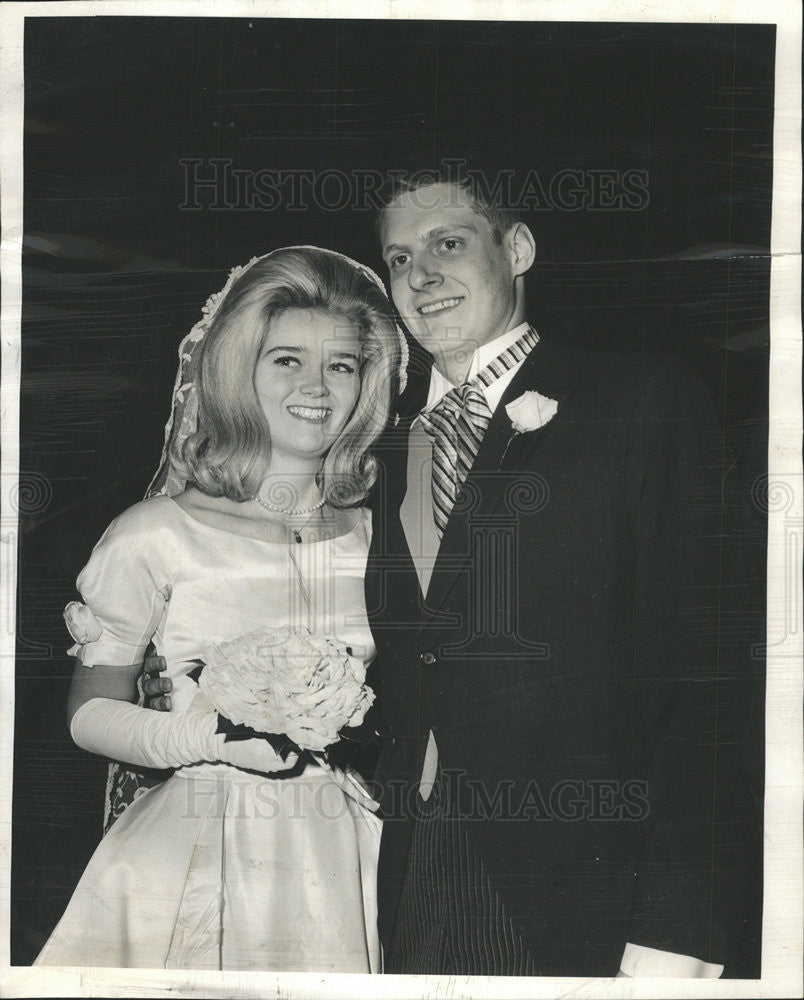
(488, 193)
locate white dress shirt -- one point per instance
(440, 385)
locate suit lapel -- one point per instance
(548, 371)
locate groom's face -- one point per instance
(451, 281)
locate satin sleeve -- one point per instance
(124, 590)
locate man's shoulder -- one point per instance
(624, 375)
(624, 365)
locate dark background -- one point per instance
(116, 271)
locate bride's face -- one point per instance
(307, 381)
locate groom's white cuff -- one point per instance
(641, 961)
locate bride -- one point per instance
(242, 859)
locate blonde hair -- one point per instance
(228, 454)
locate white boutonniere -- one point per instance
(530, 411)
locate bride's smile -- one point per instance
(307, 381)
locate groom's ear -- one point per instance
(521, 246)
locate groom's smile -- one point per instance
(440, 306)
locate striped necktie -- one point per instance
(457, 424)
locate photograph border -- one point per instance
(783, 913)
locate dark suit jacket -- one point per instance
(573, 660)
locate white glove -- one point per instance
(140, 736)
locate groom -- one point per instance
(563, 789)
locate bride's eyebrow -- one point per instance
(271, 350)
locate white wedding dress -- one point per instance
(219, 868)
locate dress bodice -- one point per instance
(158, 574)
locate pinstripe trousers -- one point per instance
(451, 920)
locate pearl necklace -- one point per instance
(290, 513)
(296, 532)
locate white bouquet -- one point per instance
(286, 682)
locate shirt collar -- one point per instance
(440, 385)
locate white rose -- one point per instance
(530, 411)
